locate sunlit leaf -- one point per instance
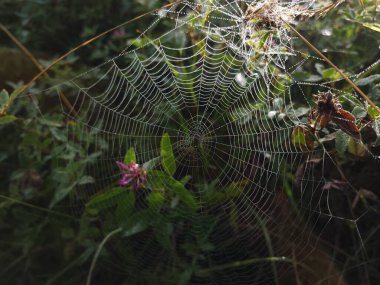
(7, 119)
(302, 138)
(167, 156)
(372, 26)
(372, 112)
(330, 74)
(356, 148)
(130, 156)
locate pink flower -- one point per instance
(132, 175)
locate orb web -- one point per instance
(229, 108)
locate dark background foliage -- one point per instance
(42, 242)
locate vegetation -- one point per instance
(75, 209)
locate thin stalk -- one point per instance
(85, 43)
(97, 253)
(298, 280)
(247, 262)
(12, 264)
(21, 47)
(32, 58)
(37, 208)
(344, 76)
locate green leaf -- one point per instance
(314, 78)
(137, 223)
(130, 156)
(163, 231)
(368, 80)
(297, 112)
(331, 74)
(372, 26)
(263, 39)
(156, 199)
(214, 198)
(136, 228)
(150, 164)
(167, 156)
(86, 180)
(107, 199)
(185, 276)
(356, 148)
(185, 179)
(183, 194)
(351, 99)
(125, 207)
(58, 134)
(368, 135)
(157, 179)
(302, 138)
(341, 142)
(61, 194)
(15, 93)
(4, 100)
(372, 112)
(359, 112)
(319, 67)
(300, 75)
(7, 119)
(305, 76)
(235, 189)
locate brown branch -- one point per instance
(349, 81)
(22, 47)
(66, 101)
(85, 43)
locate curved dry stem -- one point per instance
(43, 71)
(36, 63)
(344, 76)
(22, 47)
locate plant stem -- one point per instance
(97, 253)
(85, 43)
(317, 51)
(245, 263)
(66, 101)
(22, 47)
(37, 208)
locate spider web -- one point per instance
(230, 122)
